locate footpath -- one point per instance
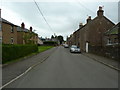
(11, 71)
(106, 61)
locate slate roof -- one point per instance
(113, 30)
(7, 22)
(19, 29)
(92, 20)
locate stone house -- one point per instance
(13, 34)
(92, 33)
(111, 36)
(9, 32)
(70, 40)
(26, 36)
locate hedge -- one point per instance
(12, 52)
(50, 43)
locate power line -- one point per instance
(85, 7)
(43, 15)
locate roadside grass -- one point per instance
(40, 49)
(44, 48)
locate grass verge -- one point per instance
(44, 48)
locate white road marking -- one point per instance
(16, 78)
(30, 68)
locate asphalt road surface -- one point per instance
(68, 70)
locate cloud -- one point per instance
(63, 17)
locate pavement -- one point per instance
(63, 69)
(106, 61)
(13, 70)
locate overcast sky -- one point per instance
(63, 16)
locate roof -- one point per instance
(113, 30)
(21, 29)
(94, 20)
(18, 27)
(7, 22)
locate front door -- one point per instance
(87, 47)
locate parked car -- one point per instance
(75, 49)
(66, 46)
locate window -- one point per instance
(12, 29)
(109, 41)
(116, 40)
(12, 41)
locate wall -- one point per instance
(93, 32)
(7, 34)
(111, 51)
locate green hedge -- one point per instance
(50, 43)
(12, 52)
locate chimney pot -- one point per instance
(88, 19)
(80, 25)
(100, 8)
(100, 11)
(31, 29)
(23, 25)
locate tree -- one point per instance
(60, 38)
(27, 37)
(52, 37)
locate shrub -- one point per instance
(50, 43)
(12, 52)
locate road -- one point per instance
(68, 70)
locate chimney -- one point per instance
(23, 25)
(88, 19)
(0, 12)
(80, 25)
(100, 12)
(31, 29)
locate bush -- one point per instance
(50, 43)
(12, 52)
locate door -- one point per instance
(87, 47)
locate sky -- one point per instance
(62, 16)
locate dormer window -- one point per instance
(12, 29)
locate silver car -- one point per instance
(66, 46)
(75, 49)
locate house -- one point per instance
(40, 42)
(70, 40)
(75, 37)
(26, 36)
(92, 33)
(13, 34)
(111, 36)
(9, 32)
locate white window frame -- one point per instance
(12, 40)
(12, 29)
